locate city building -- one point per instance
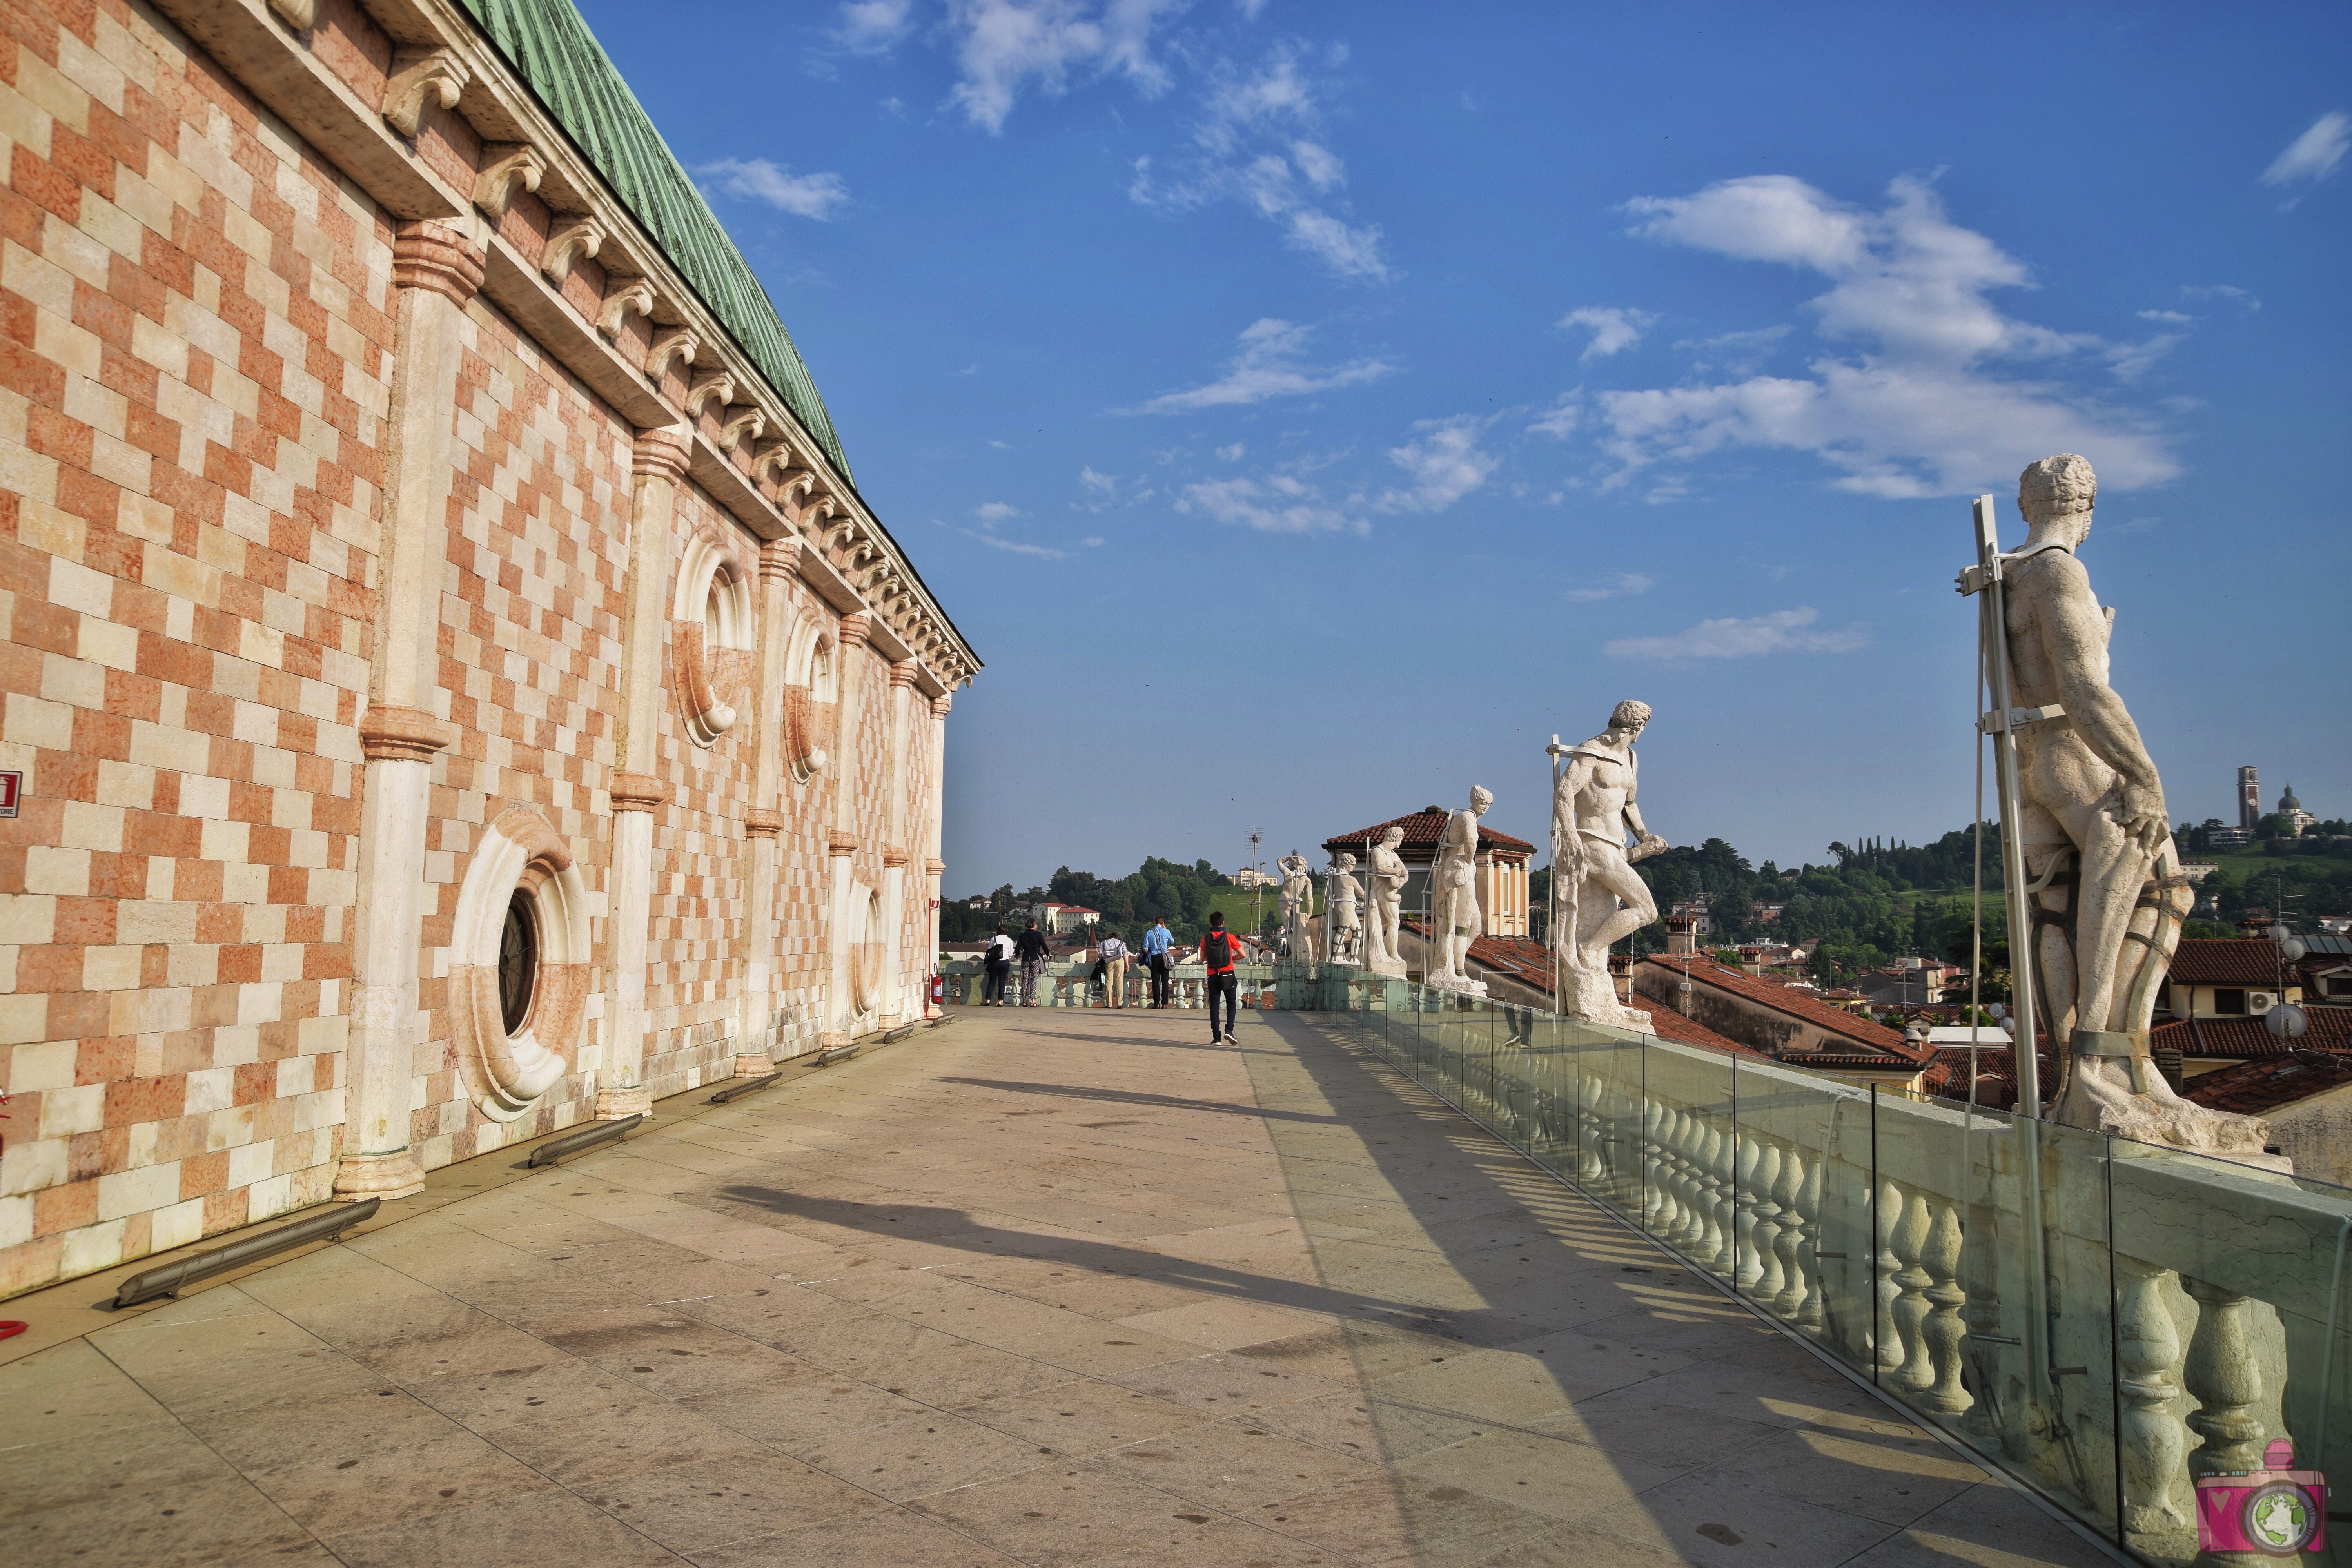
(1062, 919)
(1251, 876)
(2250, 801)
(2306, 1098)
(1795, 1027)
(1502, 865)
(458, 687)
(2299, 821)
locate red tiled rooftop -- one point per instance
(1422, 829)
(1876, 1040)
(2225, 960)
(1528, 963)
(2259, 1087)
(2331, 1030)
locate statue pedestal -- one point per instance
(1455, 983)
(1589, 996)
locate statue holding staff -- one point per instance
(1597, 897)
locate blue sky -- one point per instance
(1307, 410)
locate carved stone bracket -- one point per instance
(404, 734)
(772, 463)
(583, 237)
(759, 822)
(745, 427)
(678, 343)
(838, 843)
(659, 455)
(299, 14)
(508, 167)
(795, 486)
(639, 792)
(636, 295)
(417, 75)
(427, 255)
(712, 386)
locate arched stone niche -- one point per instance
(866, 948)
(518, 965)
(714, 629)
(811, 679)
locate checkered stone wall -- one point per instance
(194, 335)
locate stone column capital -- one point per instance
(855, 629)
(780, 558)
(935, 868)
(659, 455)
(941, 704)
(759, 823)
(638, 791)
(894, 858)
(429, 255)
(403, 735)
(840, 843)
(904, 671)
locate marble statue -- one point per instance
(2108, 895)
(1342, 896)
(1387, 872)
(1453, 898)
(1597, 897)
(1297, 905)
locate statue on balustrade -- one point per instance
(1342, 897)
(1297, 905)
(2109, 898)
(1453, 898)
(1597, 896)
(1386, 870)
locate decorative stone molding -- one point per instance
(404, 734)
(895, 858)
(508, 1069)
(713, 385)
(745, 427)
(678, 343)
(636, 295)
(428, 256)
(855, 629)
(299, 14)
(942, 704)
(508, 167)
(638, 791)
(903, 673)
(659, 455)
(772, 463)
(809, 678)
(795, 486)
(780, 558)
(419, 74)
(935, 868)
(839, 843)
(714, 626)
(583, 237)
(759, 822)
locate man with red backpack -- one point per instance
(1218, 951)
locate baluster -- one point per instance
(2225, 1379)
(1678, 1131)
(1939, 1257)
(1910, 1240)
(2147, 1346)
(1589, 1164)
(1981, 1267)
(1769, 1280)
(1714, 1244)
(1791, 1182)
(1653, 1190)
(1746, 1269)
(1811, 1315)
(1887, 1341)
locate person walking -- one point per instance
(999, 969)
(1156, 944)
(1031, 949)
(1114, 960)
(1218, 951)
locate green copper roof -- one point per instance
(549, 46)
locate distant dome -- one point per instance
(2287, 801)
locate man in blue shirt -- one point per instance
(1156, 943)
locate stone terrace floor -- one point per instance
(1054, 1288)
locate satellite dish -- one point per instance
(2294, 947)
(2286, 1021)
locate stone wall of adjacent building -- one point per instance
(199, 342)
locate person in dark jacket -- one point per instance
(1000, 968)
(1031, 951)
(1218, 951)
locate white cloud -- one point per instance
(1231, 453)
(1616, 587)
(1444, 465)
(1919, 411)
(2314, 155)
(758, 180)
(872, 27)
(1319, 164)
(2221, 291)
(1738, 353)
(1102, 484)
(1783, 631)
(1017, 547)
(1267, 366)
(1281, 503)
(1612, 328)
(1559, 421)
(1091, 541)
(1003, 46)
(992, 513)
(2175, 317)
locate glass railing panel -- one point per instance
(1686, 1129)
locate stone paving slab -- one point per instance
(1062, 1289)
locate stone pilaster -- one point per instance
(435, 271)
(657, 464)
(935, 802)
(842, 841)
(755, 1026)
(893, 851)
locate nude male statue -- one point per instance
(1453, 893)
(1388, 873)
(1598, 898)
(1298, 904)
(1342, 897)
(2109, 897)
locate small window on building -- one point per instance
(2230, 1001)
(2339, 985)
(518, 961)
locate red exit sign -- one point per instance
(12, 790)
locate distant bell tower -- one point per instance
(2250, 799)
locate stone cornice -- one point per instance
(759, 822)
(942, 704)
(638, 791)
(404, 734)
(855, 630)
(659, 455)
(893, 857)
(435, 256)
(840, 843)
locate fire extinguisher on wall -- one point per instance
(939, 991)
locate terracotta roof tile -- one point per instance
(2225, 960)
(1876, 1041)
(1528, 963)
(2331, 1030)
(1422, 829)
(2258, 1088)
